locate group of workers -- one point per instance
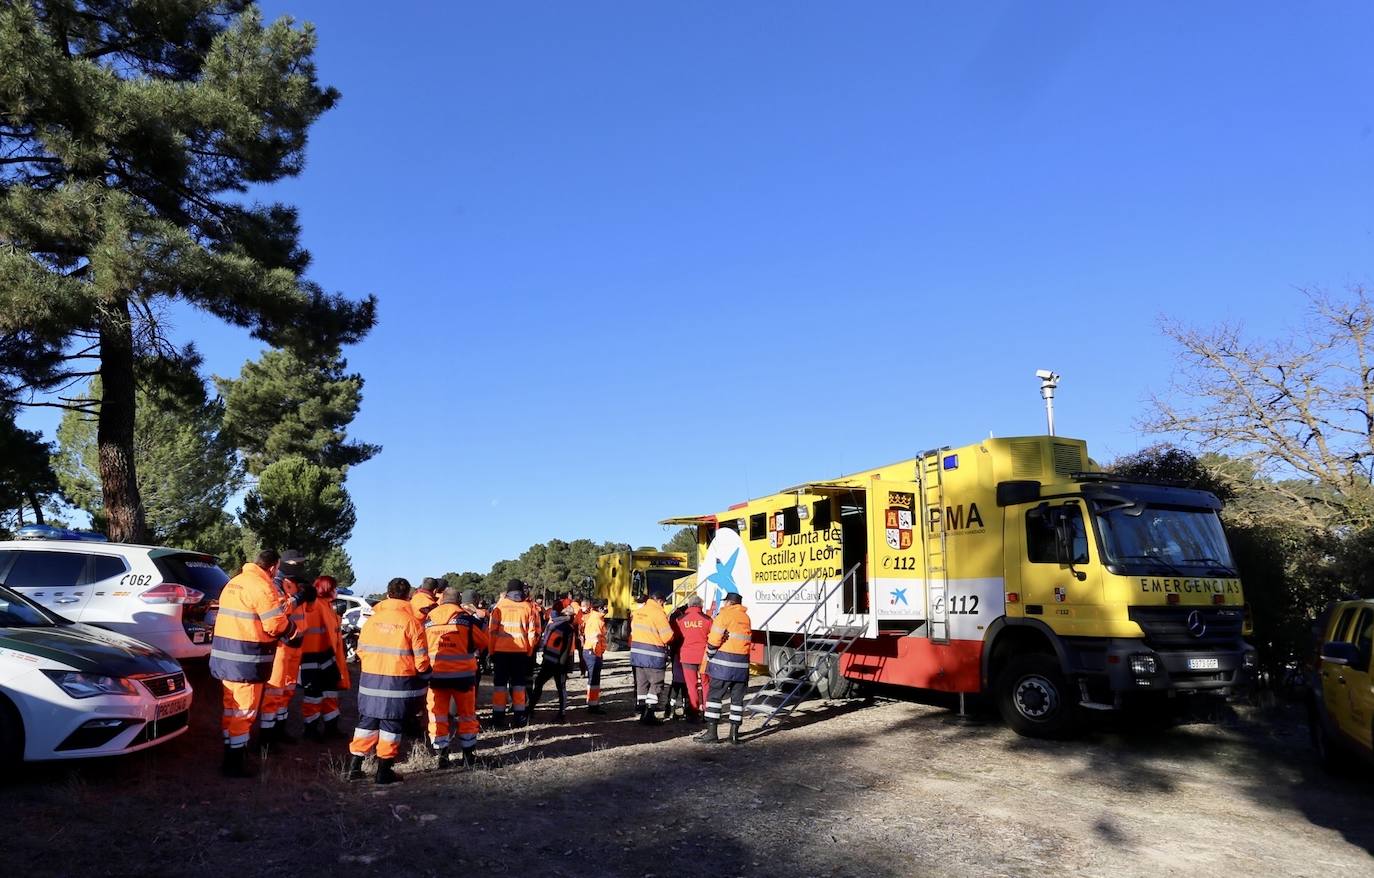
(276, 630)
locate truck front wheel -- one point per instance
(1034, 698)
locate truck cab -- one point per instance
(1132, 585)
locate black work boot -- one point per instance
(498, 721)
(649, 716)
(709, 736)
(385, 774)
(442, 756)
(734, 733)
(235, 764)
(521, 719)
(331, 729)
(314, 732)
(595, 708)
(355, 768)
(469, 757)
(282, 735)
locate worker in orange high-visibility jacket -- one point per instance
(593, 648)
(513, 629)
(425, 597)
(286, 667)
(727, 663)
(455, 637)
(650, 638)
(252, 618)
(324, 670)
(395, 674)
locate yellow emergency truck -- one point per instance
(623, 578)
(1012, 567)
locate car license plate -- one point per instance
(173, 707)
(1203, 664)
(200, 636)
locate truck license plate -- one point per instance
(173, 707)
(1203, 664)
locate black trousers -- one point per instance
(720, 691)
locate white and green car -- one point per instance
(69, 690)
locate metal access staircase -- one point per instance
(823, 641)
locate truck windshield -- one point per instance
(1168, 539)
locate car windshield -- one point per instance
(1176, 539)
(16, 612)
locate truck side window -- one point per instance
(1363, 638)
(791, 520)
(1040, 537)
(758, 526)
(1341, 633)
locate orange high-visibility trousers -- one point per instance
(240, 709)
(444, 703)
(382, 735)
(324, 706)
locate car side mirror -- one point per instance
(1339, 653)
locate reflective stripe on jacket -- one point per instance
(727, 648)
(322, 652)
(650, 636)
(395, 660)
(594, 632)
(455, 637)
(557, 642)
(514, 627)
(252, 616)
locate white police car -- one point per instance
(70, 691)
(158, 595)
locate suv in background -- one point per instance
(1342, 712)
(158, 595)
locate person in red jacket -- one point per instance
(691, 628)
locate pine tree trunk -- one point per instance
(115, 434)
(37, 508)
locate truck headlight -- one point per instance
(1250, 659)
(79, 685)
(1144, 665)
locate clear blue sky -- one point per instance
(637, 260)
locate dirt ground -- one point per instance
(891, 787)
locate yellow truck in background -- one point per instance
(1010, 568)
(622, 578)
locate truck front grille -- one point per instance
(1189, 627)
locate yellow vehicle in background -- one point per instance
(1343, 702)
(623, 578)
(1010, 568)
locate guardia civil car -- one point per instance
(70, 691)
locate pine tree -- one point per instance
(282, 405)
(27, 479)
(299, 505)
(187, 469)
(130, 131)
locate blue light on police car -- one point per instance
(951, 461)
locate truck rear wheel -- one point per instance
(830, 683)
(778, 658)
(1034, 698)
